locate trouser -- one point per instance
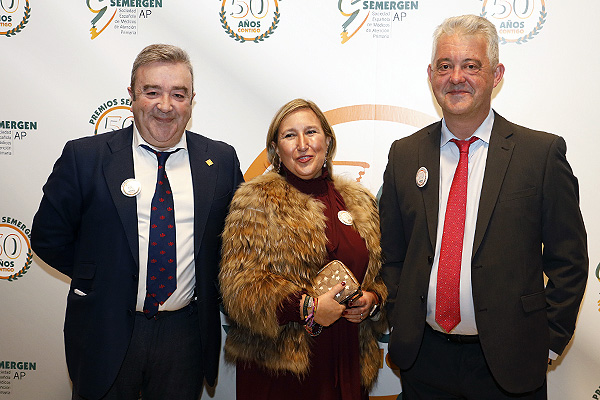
(163, 360)
(448, 370)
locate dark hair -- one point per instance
(160, 53)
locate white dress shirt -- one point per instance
(178, 170)
(449, 156)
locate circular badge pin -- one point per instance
(422, 176)
(345, 217)
(131, 187)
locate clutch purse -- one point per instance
(332, 274)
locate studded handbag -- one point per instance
(334, 273)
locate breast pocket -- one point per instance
(518, 194)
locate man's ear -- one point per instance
(131, 94)
(498, 74)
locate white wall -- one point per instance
(52, 73)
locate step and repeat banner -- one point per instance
(64, 72)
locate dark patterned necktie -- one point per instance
(161, 280)
(447, 302)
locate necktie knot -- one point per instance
(463, 145)
(161, 156)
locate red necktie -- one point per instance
(161, 281)
(447, 301)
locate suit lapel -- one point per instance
(204, 179)
(498, 158)
(429, 157)
(117, 167)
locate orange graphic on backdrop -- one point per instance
(361, 112)
(110, 110)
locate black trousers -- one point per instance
(448, 370)
(163, 360)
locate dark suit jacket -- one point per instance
(529, 202)
(87, 229)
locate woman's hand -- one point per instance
(358, 310)
(328, 309)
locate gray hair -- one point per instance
(160, 53)
(469, 25)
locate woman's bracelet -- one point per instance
(305, 306)
(375, 312)
(310, 325)
(315, 330)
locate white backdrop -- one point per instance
(61, 77)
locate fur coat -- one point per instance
(274, 243)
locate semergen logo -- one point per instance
(122, 14)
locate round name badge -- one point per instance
(345, 217)
(422, 176)
(131, 187)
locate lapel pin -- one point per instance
(345, 217)
(209, 162)
(422, 176)
(131, 187)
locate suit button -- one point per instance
(130, 312)
(135, 277)
(422, 299)
(430, 260)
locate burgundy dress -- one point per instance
(334, 372)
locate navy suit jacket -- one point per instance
(528, 224)
(87, 229)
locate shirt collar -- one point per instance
(483, 132)
(138, 141)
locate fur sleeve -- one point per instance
(270, 246)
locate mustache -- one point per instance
(459, 88)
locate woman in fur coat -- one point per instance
(282, 228)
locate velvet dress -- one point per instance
(334, 372)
